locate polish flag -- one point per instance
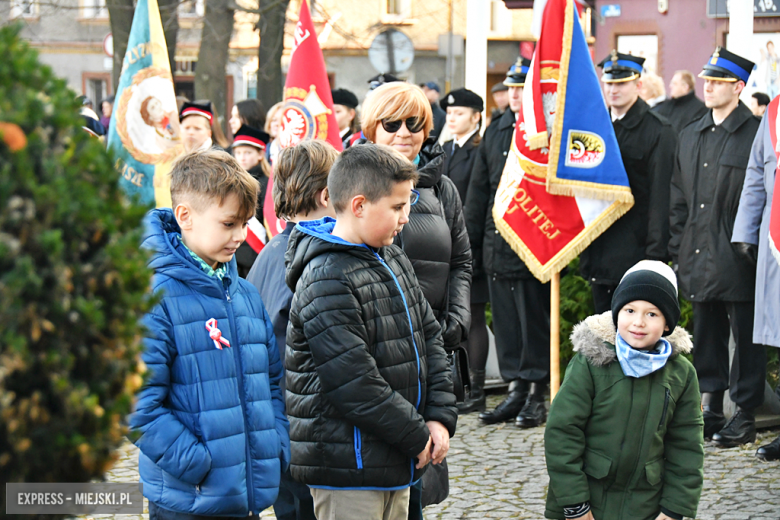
(255, 235)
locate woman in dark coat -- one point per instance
(464, 121)
(399, 115)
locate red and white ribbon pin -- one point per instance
(216, 334)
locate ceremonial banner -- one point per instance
(558, 194)
(307, 112)
(144, 129)
(308, 106)
(774, 217)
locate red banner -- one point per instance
(548, 226)
(308, 106)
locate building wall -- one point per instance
(687, 37)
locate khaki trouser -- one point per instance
(348, 504)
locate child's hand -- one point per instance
(425, 455)
(587, 516)
(662, 516)
(441, 440)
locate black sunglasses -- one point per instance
(413, 124)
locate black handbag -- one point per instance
(435, 484)
(458, 361)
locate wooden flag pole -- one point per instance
(555, 334)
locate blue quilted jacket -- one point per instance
(210, 422)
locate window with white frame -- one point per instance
(94, 9)
(398, 8)
(24, 9)
(500, 18)
(192, 8)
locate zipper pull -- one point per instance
(227, 295)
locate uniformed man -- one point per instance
(682, 107)
(711, 162)
(647, 144)
(520, 303)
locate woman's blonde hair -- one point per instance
(394, 101)
(653, 85)
(269, 118)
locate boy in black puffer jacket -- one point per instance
(368, 388)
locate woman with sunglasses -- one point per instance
(399, 115)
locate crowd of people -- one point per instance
(325, 375)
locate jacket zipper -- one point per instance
(411, 328)
(242, 397)
(414, 343)
(667, 396)
(358, 448)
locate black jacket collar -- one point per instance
(507, 119)
(431, 164)
(731, 124)
(682, 100)
(635, 114)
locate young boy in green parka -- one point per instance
(624, 438)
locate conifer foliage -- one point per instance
(73, 283)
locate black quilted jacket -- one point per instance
(365, 363)
(437, 243)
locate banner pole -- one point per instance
(555, 334)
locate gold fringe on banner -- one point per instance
(543, 272)
(538, 140)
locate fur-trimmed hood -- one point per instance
(591, 336)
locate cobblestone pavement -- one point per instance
(499, 472)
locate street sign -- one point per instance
(391, 51)
(610, 11)
(108, 45)
(761, 8)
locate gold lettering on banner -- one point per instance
(138, 52)
(522, 200)
(130, 174)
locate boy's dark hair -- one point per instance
(761, 98)
(212, 175)
(300, 172)
(371, 170)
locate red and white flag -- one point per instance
(307, 112)
(564, 182)
(255, 235)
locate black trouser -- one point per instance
(521, 324)
(711, 322)
(602, 296)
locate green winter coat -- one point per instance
(629, 446)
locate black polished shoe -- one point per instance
(769, 451)
(475, 401)
(534, 412)
(741, 429)
(509, 407)
(713, 423)
(712, 410)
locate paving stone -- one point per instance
(499, 472)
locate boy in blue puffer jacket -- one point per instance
(210, 420)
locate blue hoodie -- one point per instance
(214, 438)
